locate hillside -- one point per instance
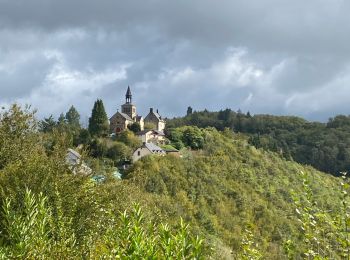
(325, 146)
(239, 199)
(229, 186)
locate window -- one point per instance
(138, 153)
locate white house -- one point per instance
(75, 163)
(151, 136)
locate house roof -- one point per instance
(74, 153)
(143, 132)
(153, 148)
(159, 132)
(157, 115)
(146, 131)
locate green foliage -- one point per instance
(48, 213)
(135, 127)
(248, 249)
(119, 152)
(228, 183)
(72, 117)
(83, 137)
(128, 138)
(132, 237)
(220, 184)
(36, 232)
(325, 233)
(48, 124)
(324, 146)
(33, 232)
(98, 122)
(187, 136)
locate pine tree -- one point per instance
(61, 120)
(72, 117)
(48, 124)
(98, 122)
(189, 111)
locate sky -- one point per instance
(264, 56)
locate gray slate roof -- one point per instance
(153, 148)
(125, 116)
(146, 131)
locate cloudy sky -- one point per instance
(263, 56)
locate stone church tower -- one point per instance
(128, 108)
(121, 120)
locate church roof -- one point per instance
(125, 116)
(128, 92)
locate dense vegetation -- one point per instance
(49, 213)
(246, 203)
(325, 146)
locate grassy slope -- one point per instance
(228, 185)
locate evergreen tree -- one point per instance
(98, 122)
(61, 119)
(72, 117)
(189, 111)
(48, 124)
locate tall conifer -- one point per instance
(98, 122)
(72, 117)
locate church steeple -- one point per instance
(128, 96)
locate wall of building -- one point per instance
(139, 153)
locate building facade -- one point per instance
(147, 149)
(155, 119)
(128, 116)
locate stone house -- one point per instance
(152, 136)
(147, 149)
(155, 119)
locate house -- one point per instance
(155, 119)
(128, 116)
(75, 163)
(147, 149)
(152, 136)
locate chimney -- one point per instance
(151, 110)
(157, 111)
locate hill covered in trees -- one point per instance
(325, 146)
(222, 199)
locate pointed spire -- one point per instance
(128, 96)
(128, 92)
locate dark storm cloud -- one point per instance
(272, 56)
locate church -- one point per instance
(128, 116)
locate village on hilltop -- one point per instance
(151, 128)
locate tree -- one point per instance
(135, 127)
(98, 122)
(73, 117)
(189, 111)
(61, 119)
(47, 125)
